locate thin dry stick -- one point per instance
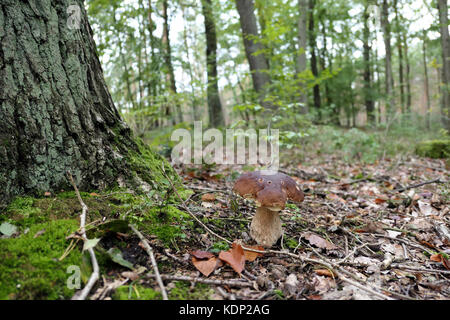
(438, 180)
(231, 283)
(189, 211)
(149, 251)
(81, 295)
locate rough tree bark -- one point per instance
(259, 65)
(214, 105)
(56, 114)
(445, 43)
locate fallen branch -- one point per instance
(81, 295)
(149, 251)
(231, 283)
(420, 184)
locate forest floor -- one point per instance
(378, 231)
(364, 231)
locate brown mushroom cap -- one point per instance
(269, 189)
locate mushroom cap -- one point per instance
(268, 188)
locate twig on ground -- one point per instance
(81, 295)
(149, 251)
(183, 203)
(438, 180)
(231, 283)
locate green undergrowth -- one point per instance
(30, 268)
(371, 144)
(183, 291)
(136, 292)
(434, 149)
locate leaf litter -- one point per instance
(365, 223)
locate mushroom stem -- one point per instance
(266, 227)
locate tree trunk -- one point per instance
(385, 25)
(312, 44)
(259, 65)
(56, 114)
(370, 107)
(407, 75)
(400, 57)
(170, 76)
(427, 87)
(214, 106)
(301, 57)
(445, 43)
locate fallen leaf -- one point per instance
(250, 255)
(130, 275)
(37, 234)
(205, 266)
(380, 200)
(324, 272)
(8, 229)
(436, 257)
(90, 243)
(318, 241)
(200, 254)
(234, 257)
(209, 197)
(93, 194)
(117, 257)
(333, 196)
(426, 209)
(440, 258)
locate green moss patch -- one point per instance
(29, 266)
(136, 292)
(437, 149)
(183, 291)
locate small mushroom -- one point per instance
(270, 190)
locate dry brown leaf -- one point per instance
(200, 254)
(324, 272)
(250, 255)
(380, 200)
(208, 197)
(333, 196)
(318, 241)
(206, 267)
(234, 257)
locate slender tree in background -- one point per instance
(426, 79)
(301, 56)
(407, 73)
(170, 75)
(214, 105)
(312, 45)
(253, 49)
(398, 27)
(368, 96)
(445, 43)
(56, 113)
(389, 79)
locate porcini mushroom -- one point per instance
(270, 190)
